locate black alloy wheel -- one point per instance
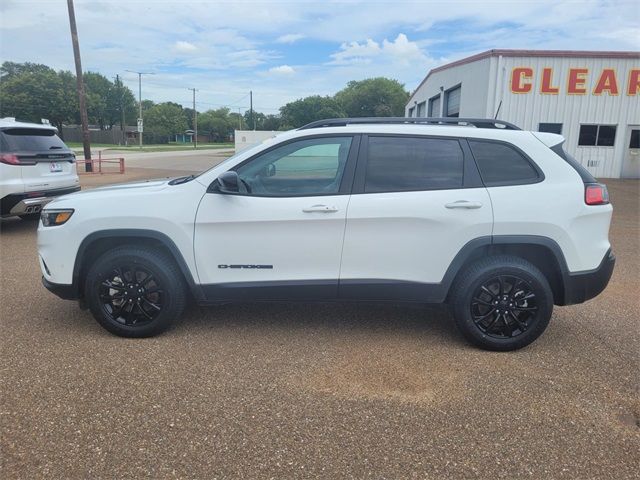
(131, 295)
(135, 291)
(504, 306)
(501, 302)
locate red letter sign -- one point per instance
(633, 88)
(517, 76)
(577, 79)
(608, 82)
(547, 77)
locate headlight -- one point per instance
(52, 218)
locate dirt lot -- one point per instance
(330, 391)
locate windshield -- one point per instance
(30, 140)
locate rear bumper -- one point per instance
(583, 286)
(66, 292)
(31, 202)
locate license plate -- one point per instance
(55, 167)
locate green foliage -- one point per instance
(309, 109)
(30, 91)
(165, 120)
(373, 97)
(217, 124)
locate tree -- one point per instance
(373, 97)
(32, 92)
(119, 99)
(309, 109)
(165, 120)
(272, 122)
(218, 124)
(97, 89)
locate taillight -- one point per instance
(596, 194)
(9, 159)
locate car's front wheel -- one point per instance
(502, 303)
(134, 291)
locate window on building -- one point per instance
(597, 135)
(550, 128)
(502, 164)
(421, 109)
(634, 141)
(434, 106)
(397, 164)
(452, 102)
(411, 110)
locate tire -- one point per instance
(523, 309)
(134, 291)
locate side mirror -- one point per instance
(229, 182)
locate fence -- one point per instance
(100, 163)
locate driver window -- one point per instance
(307, 167)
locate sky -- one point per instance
(283, 51)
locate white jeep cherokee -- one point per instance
(35, 166)
(500, 223)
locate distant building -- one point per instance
(592, 98)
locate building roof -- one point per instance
(529, 53)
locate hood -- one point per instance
(146, 186)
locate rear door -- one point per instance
(416, 202)
(45, 162)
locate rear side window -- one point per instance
(398, 164)
(31, 140)
(501, 164)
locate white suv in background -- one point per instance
(35, 166)
(500, 223)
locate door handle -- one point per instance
(320, 208)
(463, 204)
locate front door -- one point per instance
(631, 161)
(281, 235)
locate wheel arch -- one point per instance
(543, 252)
(96, 243)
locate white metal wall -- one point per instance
(527, 110)
(248, 138)
(474, 78)
(486, 86)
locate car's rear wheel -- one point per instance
(135, 292)
(502, 303)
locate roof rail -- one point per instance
(475, 122)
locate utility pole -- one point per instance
(195, 118)
(86, 141)
(239, 119)
(119, 85)
(251, 117)
(140, 121)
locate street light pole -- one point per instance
(140, 123)
(195, 118)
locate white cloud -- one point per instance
(401, 51)
(184, 47)
(290, 38)
(282, 70)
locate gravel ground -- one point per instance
(307, 391)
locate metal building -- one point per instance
(591, 98)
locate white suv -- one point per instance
(500, 223)
(35, 166)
